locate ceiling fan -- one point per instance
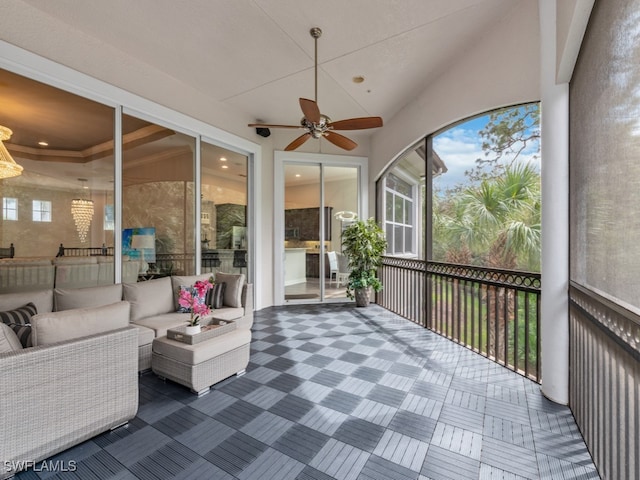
(318, 125)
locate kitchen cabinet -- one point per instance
(305, 222)
(313, 265)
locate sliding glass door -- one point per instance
(319, 201)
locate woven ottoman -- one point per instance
(203, 364)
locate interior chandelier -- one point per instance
(8, 167)
(82, 212)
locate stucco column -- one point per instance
(555, 215)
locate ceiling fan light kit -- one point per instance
(318, 125)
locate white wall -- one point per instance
(500, 69)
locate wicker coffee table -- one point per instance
(201, 360)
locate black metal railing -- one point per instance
(84, 251)
(496, 313)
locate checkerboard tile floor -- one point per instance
(336, 392)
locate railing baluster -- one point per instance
(526, 335)
(516, 328)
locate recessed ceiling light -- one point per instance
(358, 79)
(223, 159)
(43, 144)
(225, 166)
(298, 175)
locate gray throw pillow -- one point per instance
(233, 290)
(8, 340)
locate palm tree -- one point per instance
(493, 224)
(497, 221)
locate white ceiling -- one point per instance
(257, 55)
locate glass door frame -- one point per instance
(281, 158)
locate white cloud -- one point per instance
(460, 147)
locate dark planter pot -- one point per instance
(362, 297)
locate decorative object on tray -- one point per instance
(215, 329)
(193, 300)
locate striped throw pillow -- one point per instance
(20, 321)
(23, 332)
(215, 296)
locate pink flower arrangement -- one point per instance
(193, 298)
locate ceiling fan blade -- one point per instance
(340, 140)
(310, 110)
(297, 142)
(269, 125)
(357, 123)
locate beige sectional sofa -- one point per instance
(80, 378)
(29, 274)
(154, 306)
(26, 274)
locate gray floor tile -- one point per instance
(336, 392)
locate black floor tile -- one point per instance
(359, 433)
(341, 401)
(292, 408)
(301, 443)
(387, 395)
(238, 414)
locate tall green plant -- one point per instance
(364, 244)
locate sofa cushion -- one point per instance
(42, 299)
(74, 260)
(70, 298)
(161, 323)
(19, 320)
(150, 298)
(31, 261)
(227, 313)
(233, 289)
(9, 342)
(215, 296)
(145, 335)
(61, 326)
(203, 351)
(187, 280)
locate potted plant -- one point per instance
(363, 243)
(192, 300)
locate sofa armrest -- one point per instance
(247, 304)
(56, 396)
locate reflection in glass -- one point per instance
(158, 192)
(315, 269)
(223, 211)
(58, 138)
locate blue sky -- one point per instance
(460, 146)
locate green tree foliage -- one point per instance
(493, 219)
